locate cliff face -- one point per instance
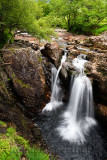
(98, 70)
(25, 76)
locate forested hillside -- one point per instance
(38, 17)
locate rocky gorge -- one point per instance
(25, 76)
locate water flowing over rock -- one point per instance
(56, 95)
(25, 84)
(71, 130)
(79, 116)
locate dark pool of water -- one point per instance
(95, 147)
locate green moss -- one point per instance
(39, 59)
(13, 75)
(86, 71)
(3, 124)
(3, 87)
(11, 49)
(71, 72)
(22, 83)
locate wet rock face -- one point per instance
(101, 114)
(24, 88)
(11, 109)
(53, 52)
(98, 72)
(24, 69)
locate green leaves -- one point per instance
(22, 15)
(81, 16)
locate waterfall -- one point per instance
(55, 100)
(79, 116)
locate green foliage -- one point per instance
(9, 149)
(44, 28)
(14, 154)
(81, 16)
(38, 17)
(44, 4)
(102, 26)
(20, 140)
(100, 30)
(22, 15)
(36, 154)
(13, 147)
(11, 132)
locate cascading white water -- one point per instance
(79, 116)
(56, 89)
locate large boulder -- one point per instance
(53, 52)
(24, 87)
(25, 71)
(11, 109)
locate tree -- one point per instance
(80, 16)
(19, 15)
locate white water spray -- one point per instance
(56, 89)
(78, 118)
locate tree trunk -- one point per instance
(68, 19)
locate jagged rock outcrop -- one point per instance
(24, 88)
(24, 69)
(53, 52)
(11, 108)
(97, 43)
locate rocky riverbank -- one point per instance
(25, 73)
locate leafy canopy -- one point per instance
(21, 15)
(80, 16)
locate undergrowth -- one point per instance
(15, 147)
